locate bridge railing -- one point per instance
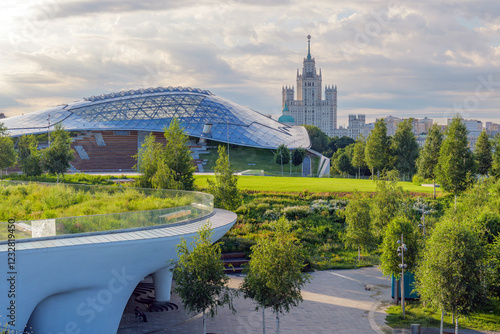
(180, 206)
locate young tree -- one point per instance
(358, 232)
(200, 280)
(56, 158)
(343, 163)
(449, 277)
(387, 203)
(495, 163)
(274, 275)
(358, 158)
(428, 158)
(225, 187)
(298, 156)
(456, 162)
(405, 148)
(8, 155)
(377, 153)
(482, 153)
(147, 160)
(390, 260)
(282, 156)
(178, 155)
(30, 159)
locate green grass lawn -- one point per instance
(486, 319)
(300, 184)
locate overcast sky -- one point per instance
(402, 58)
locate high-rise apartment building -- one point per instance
(309, 107)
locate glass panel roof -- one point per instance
(152, 109)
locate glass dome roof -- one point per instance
(152, 109)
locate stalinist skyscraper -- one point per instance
(309, 107)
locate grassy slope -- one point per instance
(299, 184)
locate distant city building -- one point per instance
(474, 129)
(309, 107)
(2, 115)
(492, 128)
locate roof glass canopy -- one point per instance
(152, 109)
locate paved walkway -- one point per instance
(337, 301)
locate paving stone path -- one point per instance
(337, 301)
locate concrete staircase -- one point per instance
(236, 260)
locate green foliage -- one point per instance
(343, 163)
(429, 155)
(456, 163)
(390, 258)
(389, 201)
(147, 161)
(225, 187)
(200, 280)
(282, 155)
(449, 277)
(319, 140)
(178, 155)
(8, 155)
(30, 159)
(377, 155)
(358, 233)
(404, 148)
(493, 268)
(168, 167)
(274, 275)
(358, 158)
(56, 157)
(482, 153)
(298, 156)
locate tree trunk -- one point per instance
(453, 317)
(434, 186)
(442, 320)
(204, 324)
(455, 202)
(263, 322)
(456, 325)
(359, 253)
(57, 176)
(277, 323)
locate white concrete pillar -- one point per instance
(162, 280)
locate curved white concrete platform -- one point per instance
(81, 284)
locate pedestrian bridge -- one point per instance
(75, 274)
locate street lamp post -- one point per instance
(423, 222)
(401, 252)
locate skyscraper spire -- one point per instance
(308, 46)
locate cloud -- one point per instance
(403, 57)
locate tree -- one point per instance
(482, 153)
(456, 162)
(377, 147)
(343, 163)
(449, 276)
(178, 155)
(405, 148)
(319, 139)
(495, 163)
(428, 158)
(282, 156)
(8, 155)
(56, 158)
(29, 157)
(358, 158)
(388, 202)
(199, 275)
(298, 156)
(390, 260)
(225, 187)
(358, 232)
(274, 275)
